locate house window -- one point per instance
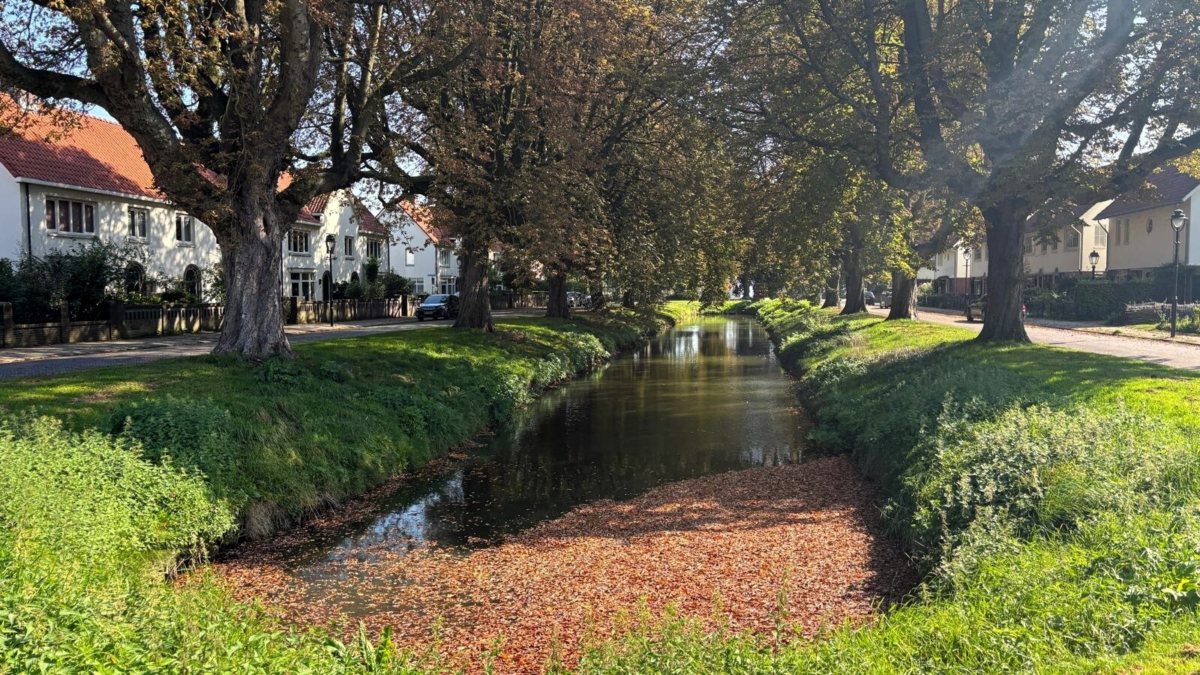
(1054, 245)
(191, 282)
(137, 223)
(1072, 239)
(410, 257)
(65, 215)
(135, 279)
(1027, 244)
(449, 286)
(303, 284)
(348, 247)
(1125, 239)
(418, 285)
(297, 242)
(374, 249)
(979, 253)
(1101, 237)
(443, 257)
(183, 228)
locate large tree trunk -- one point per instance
(904, 296)
(253, 323)
(598, 299)
(627, 300)
(1002, 320)
(557, 306)
(832, 293)
(856, 298)
(475, 305)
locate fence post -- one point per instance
(64, 322)
(8, 336)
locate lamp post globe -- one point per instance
(1178, 222)
(330, 245)
(1094, 258)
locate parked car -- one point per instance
(438, 307)
(870, 297)
(574, 299)
(885, 299)
(976, 308)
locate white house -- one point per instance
(425, 253)
(60, 187)
(1140, 238)
(1065, 250)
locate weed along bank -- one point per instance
(1045, 495)
(110, 476)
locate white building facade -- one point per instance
(62, 188)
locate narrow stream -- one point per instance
(705, 397)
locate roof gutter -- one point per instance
(82, 188)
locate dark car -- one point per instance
(869, 297)
(438, 307)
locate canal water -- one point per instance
(705, 397)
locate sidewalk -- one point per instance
(31, 361)
(1081, 336)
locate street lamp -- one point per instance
(330, 245)
(967, 259)
(1178, 222)
(1094, 258)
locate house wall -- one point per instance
(162, 256)
(424, 267)
(1044, 259)
(1147, 250)
(12, 217)
(337, 219)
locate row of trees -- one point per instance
(640, 145)
(959, 117)
(558, 130)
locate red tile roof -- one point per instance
(423, 217)
(94, 155)
(367, 222)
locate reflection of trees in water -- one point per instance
(701, 400)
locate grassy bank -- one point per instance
(682, 310)
(106, 476)
(1050, 497)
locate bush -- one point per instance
(1098, 300)
(84, 277)
(395, 285)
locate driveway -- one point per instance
(56, 359)
(1170, 354)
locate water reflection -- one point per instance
(703, 398)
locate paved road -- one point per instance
(1170, 354)
(16, 363)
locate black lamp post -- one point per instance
(1094, 258)
(1178, 222)
(967, 259)
(330, 245)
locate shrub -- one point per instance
(1098, 300)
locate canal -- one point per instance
(703, 398)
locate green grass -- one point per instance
(682, 310)
(1050, 496)
(108, 476)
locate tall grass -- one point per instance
(1049, 496)
(108, 476)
